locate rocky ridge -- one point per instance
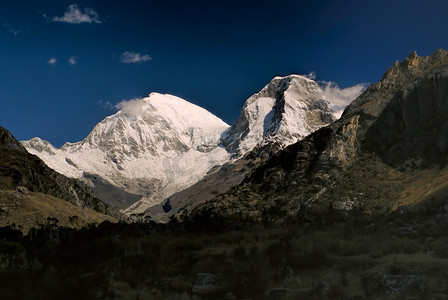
(159, 145)
(26, 173)
(286, 110)
(148, 150)
(366, 159)
(217, 181)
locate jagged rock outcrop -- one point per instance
(394, 115)
(8, 141)
(160, 145)
(414, 123)
(402, 118)
(287, 109)
(218, 181)
(283, 112)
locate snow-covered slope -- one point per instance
(287, 109)
(152, 147)
(161, 144)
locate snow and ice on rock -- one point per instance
(153, 147)
(158, 145)
(287, 109)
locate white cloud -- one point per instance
(74, 15)
(52, 61)
(72, 60)
(311, 76)
(133, 107)
(14, 29)
(107, 105)
(129, 57)
(340, 98)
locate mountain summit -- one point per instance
(388, 149)
(159, 145)
(149, 149)
(287, 109)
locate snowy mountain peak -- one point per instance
(287, 109)
(177, 111)
(40, 145)
(151, 147)
(301, 85)
(158, 145)
(292, 77)
(158, 124)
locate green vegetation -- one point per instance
(367, 186)
(373, 185)
(364, 256)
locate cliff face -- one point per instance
(286, 110)
(369, 159)
(283, 112)
(160, 145)
(408, 103)
(414, 124)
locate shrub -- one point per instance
(403, 245)
(440, 247)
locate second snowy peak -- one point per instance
(286, 110)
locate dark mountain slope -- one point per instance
(24, 172)
(414, 123)
(218, 181)
(385, 151)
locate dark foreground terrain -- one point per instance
(322, 254)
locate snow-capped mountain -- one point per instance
(287, 109)
(152, 147)
(159, 145)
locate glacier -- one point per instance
(153, 147)
(161, 144)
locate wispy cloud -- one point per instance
(15, 30)
(340, 98)
(72, 60)
(107, 105)
(129, 57)
(52, 61)
(74, 15)
(133, 107)
(311, 75)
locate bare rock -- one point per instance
(23, 190)
(207, 284)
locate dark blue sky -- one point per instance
(212, 53)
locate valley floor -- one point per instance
(400, 256)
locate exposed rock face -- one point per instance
(8, 142)
(116, 197)
(414, 123)
(218, 181)
(391, 285)
(287, 109)
(20, 170)
(402, 117)
(283, 112)
(399, 117)
(160, 145)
